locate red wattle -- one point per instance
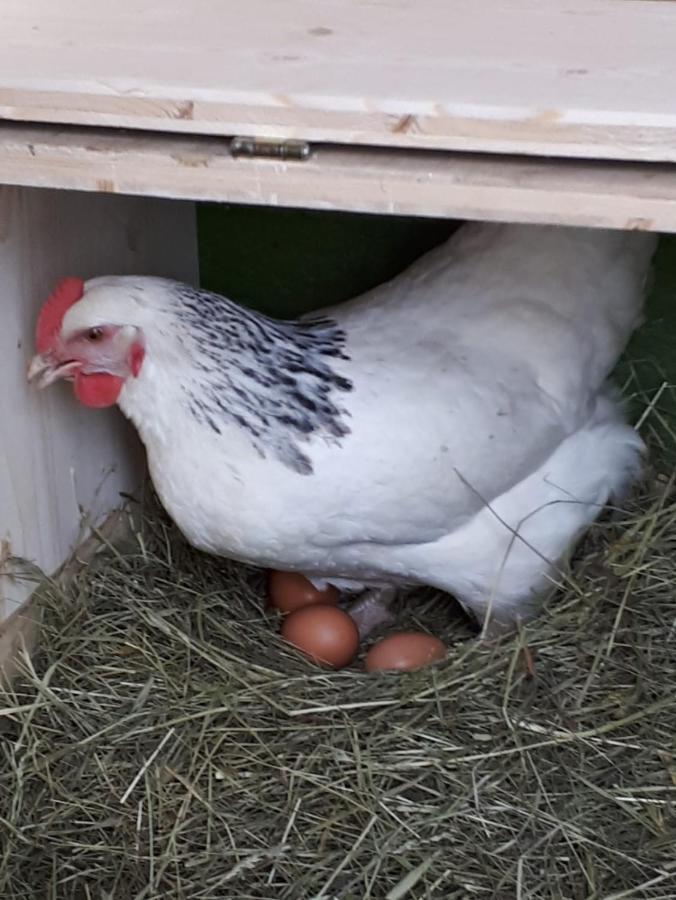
(98, 389)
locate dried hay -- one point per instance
(165, 744)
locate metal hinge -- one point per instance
(270, 148)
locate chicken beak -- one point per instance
(45, 370)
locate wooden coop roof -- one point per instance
(558, 80)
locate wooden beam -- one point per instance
(400, 182)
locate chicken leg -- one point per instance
(372, 610)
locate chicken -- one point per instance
(452, 427)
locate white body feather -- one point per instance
(477, 411)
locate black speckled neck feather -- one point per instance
(273, 379)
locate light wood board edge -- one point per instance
(397, 182)
(533, 133)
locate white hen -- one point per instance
(449, 428)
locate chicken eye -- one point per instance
(95, 334)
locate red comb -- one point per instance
(67, 292)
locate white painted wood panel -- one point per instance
(404, 182)
(579, 78)
(58, 460)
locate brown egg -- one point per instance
(289, 591)
(324, 633)
(404, 652)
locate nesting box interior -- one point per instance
(137, 138)
(404, 109)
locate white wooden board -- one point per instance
(58, 460)
(405, 182)
(578, 78)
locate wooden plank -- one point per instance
(594, 194)
(574, 78)
(60, 462)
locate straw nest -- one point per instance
(164, 743)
